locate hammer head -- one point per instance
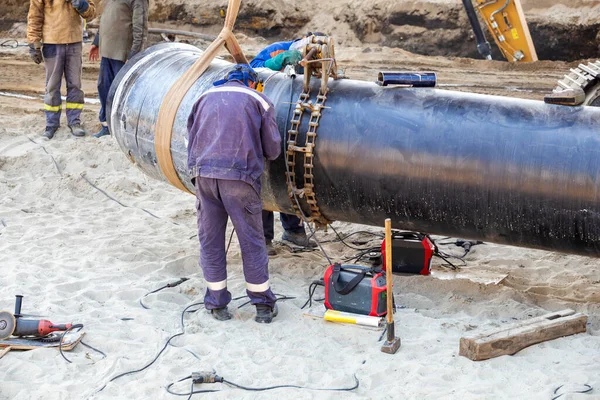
(391, 346)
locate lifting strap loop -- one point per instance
(172, 101)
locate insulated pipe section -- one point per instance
(497, 169)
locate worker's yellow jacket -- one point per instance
(56, 21)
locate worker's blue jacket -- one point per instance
(270, 52)
(231, 130)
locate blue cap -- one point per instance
(240, 72)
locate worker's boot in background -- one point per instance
(77, 130)
(50, 131)
(265, 314)
(298, 238)
(103, 132)
(270, 249)
(220, 314)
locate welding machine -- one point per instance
(355, 289)
(411, 253)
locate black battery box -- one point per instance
(411, 253)
(355, 289)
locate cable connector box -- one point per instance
(205, 377)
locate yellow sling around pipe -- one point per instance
(175, 95)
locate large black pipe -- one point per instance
(497, 169)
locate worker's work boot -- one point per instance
(270, 249)
(265, 314)
(298, 238)
(103, 132)
(77, 130)
(220, 314)
(49, 132)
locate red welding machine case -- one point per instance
(355, 289)
(411, 253)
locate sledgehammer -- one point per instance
(392, 344)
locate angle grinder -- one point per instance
(16, 325)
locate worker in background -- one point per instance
(122, 34)
(54, 34)
(231, 130)
(279, 54)
(276, 57)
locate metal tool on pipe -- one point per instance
(479, 167)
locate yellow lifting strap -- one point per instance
(171, 102)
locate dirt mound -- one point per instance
(561, 29)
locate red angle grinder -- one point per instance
(16, 325)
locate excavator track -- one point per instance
(579, 87)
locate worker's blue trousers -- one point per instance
(289, 222)
(109, 68)
(218, 199)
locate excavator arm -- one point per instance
(506, 22)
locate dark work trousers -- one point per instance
(109, 68)
(63, 60)
(289, 222)
(218, 199)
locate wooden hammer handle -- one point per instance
(388, 270)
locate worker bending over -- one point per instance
(276, 57)
(122, 34)
(231, 130)
(54, 34)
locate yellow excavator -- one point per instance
(506, 23)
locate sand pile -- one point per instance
(561, 30)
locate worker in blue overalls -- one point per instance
(226, 158)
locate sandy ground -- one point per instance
(79, 256)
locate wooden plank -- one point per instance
(318, 312)
(515, 337)
(5, 351)
(315, 312)
(71, 340)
